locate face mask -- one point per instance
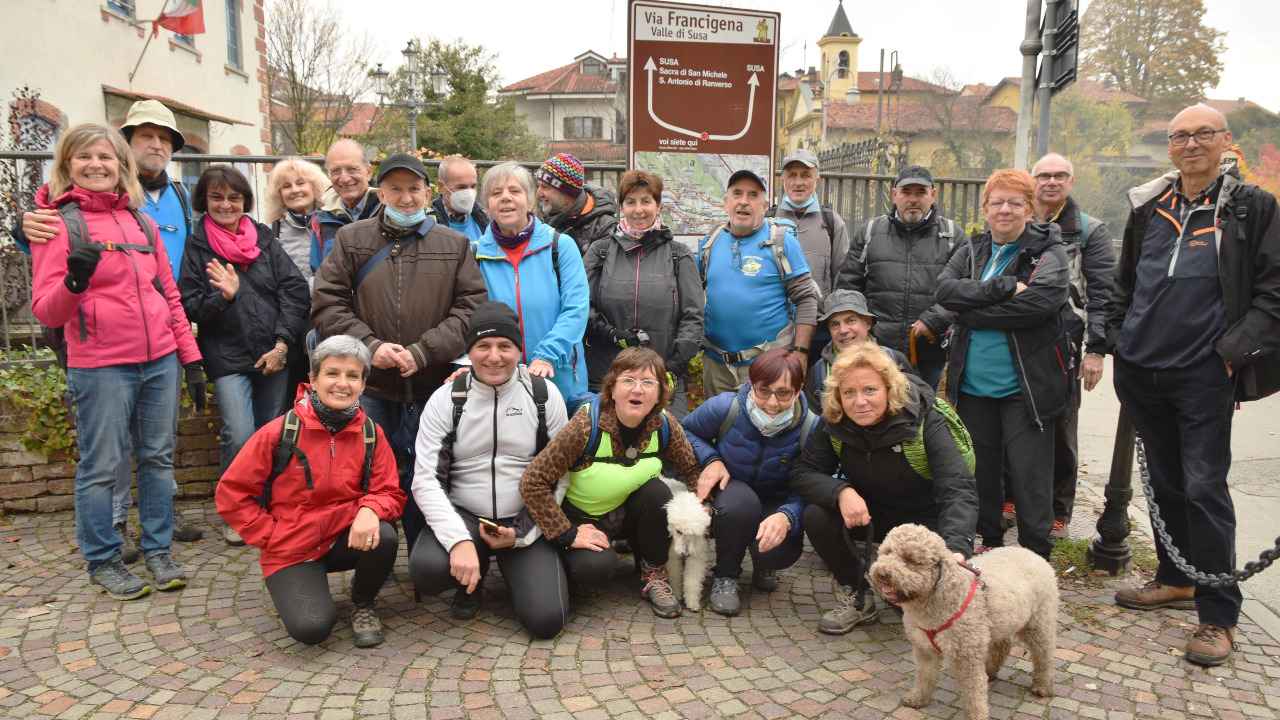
(813, 200)
(399, 219)
(768, 426)
(463, 200)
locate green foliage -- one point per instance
(1254, 128)
(1084, 129)
(34, 385)
(693, 383)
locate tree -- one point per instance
(1157, 49)
(317, 70)
(1254, 128)
(1084, 129)
(967, 128)
(464, 118)
(1266, 172)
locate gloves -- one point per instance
(80, 266)
(195, 384)
(625, 338)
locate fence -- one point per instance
(857, 197)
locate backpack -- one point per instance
(77, 237)
(946, 232)
(593, 440)
(776, 243)
(458, 392)
(555, 254)
(287, 449)
(735, 408)
(828, 222)
(914, 449)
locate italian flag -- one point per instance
(184, 17)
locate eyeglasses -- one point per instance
(1202, 136)
(341, 170)
(782, 396)
(630, 383)
(1056, 176)
(1011, 204)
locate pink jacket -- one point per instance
(121, 318)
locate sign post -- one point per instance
(702, 102)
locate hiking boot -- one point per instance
(1210, 645)
(366, 628)
(168, 574)
(764, 580)
(846, 615)
(1059, 529)
(1008, 516)
(1156, 595)
(724, 596)
(232, 537)
(465, 606)
(657, 590)
(128, 548)
(116, 581)
(184, 531)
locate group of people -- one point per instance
(502, 372)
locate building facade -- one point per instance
(579, 108)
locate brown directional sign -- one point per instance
(702, 99)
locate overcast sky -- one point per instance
(977, 40)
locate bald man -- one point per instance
(1195, 327)
(1092, 261)
(348, 199)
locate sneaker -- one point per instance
(724, 596)
(657, 590)
(232, 537)
(1009, 516)
(465, 606)
(116, 581)
(764, 580)
(846, 615)
(168, 574)
(128, 548)
(1059, 529)
(1156, 595)
(1210, 645)
(184, 531)
(366, 628)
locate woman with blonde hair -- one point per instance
(105, 279)
(888, 453)
(294, 189)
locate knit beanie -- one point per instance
(563, 172)
(494, 319)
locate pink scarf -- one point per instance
(240, 248)
(637, 233)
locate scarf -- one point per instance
(513, 241)
(637, 233)
(804, 206)
(766, 424)
(332, 420)
(238, 248)
(155, 184)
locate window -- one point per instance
(842, 64)
(233, 35)
(592, 67)
(123, 7)
(583, 128)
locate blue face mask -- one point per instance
(399, 219)
(806, 205)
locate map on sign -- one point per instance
(702, 103)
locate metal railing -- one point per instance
(856, 197)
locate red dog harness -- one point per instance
(973, 590)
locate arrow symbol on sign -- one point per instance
(754, 82)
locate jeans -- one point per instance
(1184, 416)
(739, 512)
(399, 422)
(120, 407)
(247, 402)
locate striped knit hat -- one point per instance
(563, 172)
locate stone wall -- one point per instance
(31, 482)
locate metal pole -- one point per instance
(1109, 551)
(1029, 48)
(1046, 74)
(413, 128)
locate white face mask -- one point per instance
(463, 200)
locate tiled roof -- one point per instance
(362, 118)
(1089, 89)
(915, 116)
(562, 80)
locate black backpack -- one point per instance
(458, 392)
(287, 449)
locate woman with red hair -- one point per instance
(1010, 369)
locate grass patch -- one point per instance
(1070, 557)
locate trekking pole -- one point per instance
(912, 354)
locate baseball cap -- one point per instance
(914, 175)
(745, 173)
(843, 300)
(402, 161)
(801, 156)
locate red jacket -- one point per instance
(120, 318)
(303, 524)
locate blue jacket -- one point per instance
(332, 217)
(552, 320)
(763, 463)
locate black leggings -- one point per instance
(641, 519)
(534, 575)
(301, 592)
(826, 531)
(739, 512)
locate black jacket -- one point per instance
(1091, 261)
(593, 217)
(273, 303)
(1038, 321)
(1248, 269)
(441, 215)
(872, 463)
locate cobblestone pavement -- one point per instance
(217, 649)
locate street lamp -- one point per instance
(414, 102)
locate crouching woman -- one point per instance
(885, 455)
(331, 507)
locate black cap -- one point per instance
(914, 175)
(745, 173)
(494, 319)
(402, 161)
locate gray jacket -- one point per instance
(649, 284)
(898, 272)
(1091, 259)
(824, 247)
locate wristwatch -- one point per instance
(799, 349)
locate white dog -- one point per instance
(690, 528)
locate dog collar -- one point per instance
(931, 634)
